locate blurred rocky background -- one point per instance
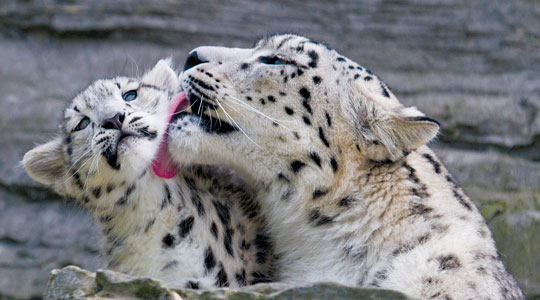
(472, 65)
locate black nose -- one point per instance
(114, 122)
(192, 60)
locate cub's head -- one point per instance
(109, 134)
(290, 103)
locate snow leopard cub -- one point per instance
(201, 228)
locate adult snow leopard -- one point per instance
(351, 191)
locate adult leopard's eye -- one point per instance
(82, 124)
(130, 95)
(273, 60)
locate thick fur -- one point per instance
(350, 189)
(200, 229)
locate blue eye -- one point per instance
(130, 95)
(273, 60)
(82, 124)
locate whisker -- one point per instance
(236, 124)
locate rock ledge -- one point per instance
(75, 283)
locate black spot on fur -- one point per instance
(221, 278)
(185, 226)
(324, 220)
(316, 79)
(283, 177)
(214, 230)
(328, 119)
(227, 241)
(299, 72)
(222, 212)
(109, 188)
(167, 199)
(96, 192)
(306, 120)
(168, 240)
(356, 76)
(461, 199)
(323, 138)
(192, 285)
(289, 110)
(319, 193)
(419, 209)
(196, 200)
(432, 161)
(341, 59)
(241, 278)
(314, 214)
(262, 242)
(248, 98)
(78, 181)
(297, 165)
(209, 260)
(346, 201)
(314, 58)
(304, 92)
(263, 102)
(334, 164)
(190, 183)
(408, 246)
(448, 262)
(271, 99)
(368, 78)
(149, 225)
(124, 198)
(316, 158)
(385, 91)
(244, 66)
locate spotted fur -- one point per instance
(368, 203)
(188, 230)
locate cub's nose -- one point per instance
(114, 122)
(192, 60)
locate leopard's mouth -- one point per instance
(202, 109)
(111, 152)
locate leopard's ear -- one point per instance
(392, 134)
(162, 75)
(46, 163)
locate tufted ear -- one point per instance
(46, 163)
(391, 135)
(162, 75)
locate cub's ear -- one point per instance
(46, 163)
(399, 132)
(162, 75)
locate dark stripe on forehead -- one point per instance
(283, 41)
(150, 86)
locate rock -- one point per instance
(74, 283)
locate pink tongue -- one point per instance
(162, 164)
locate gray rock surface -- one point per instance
(74, 283)
(472, 65)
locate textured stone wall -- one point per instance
(472, 65)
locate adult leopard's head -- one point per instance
(290, 103)
(109, 134)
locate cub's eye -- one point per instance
(130, 95)
(273, 60)
(82, 124)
